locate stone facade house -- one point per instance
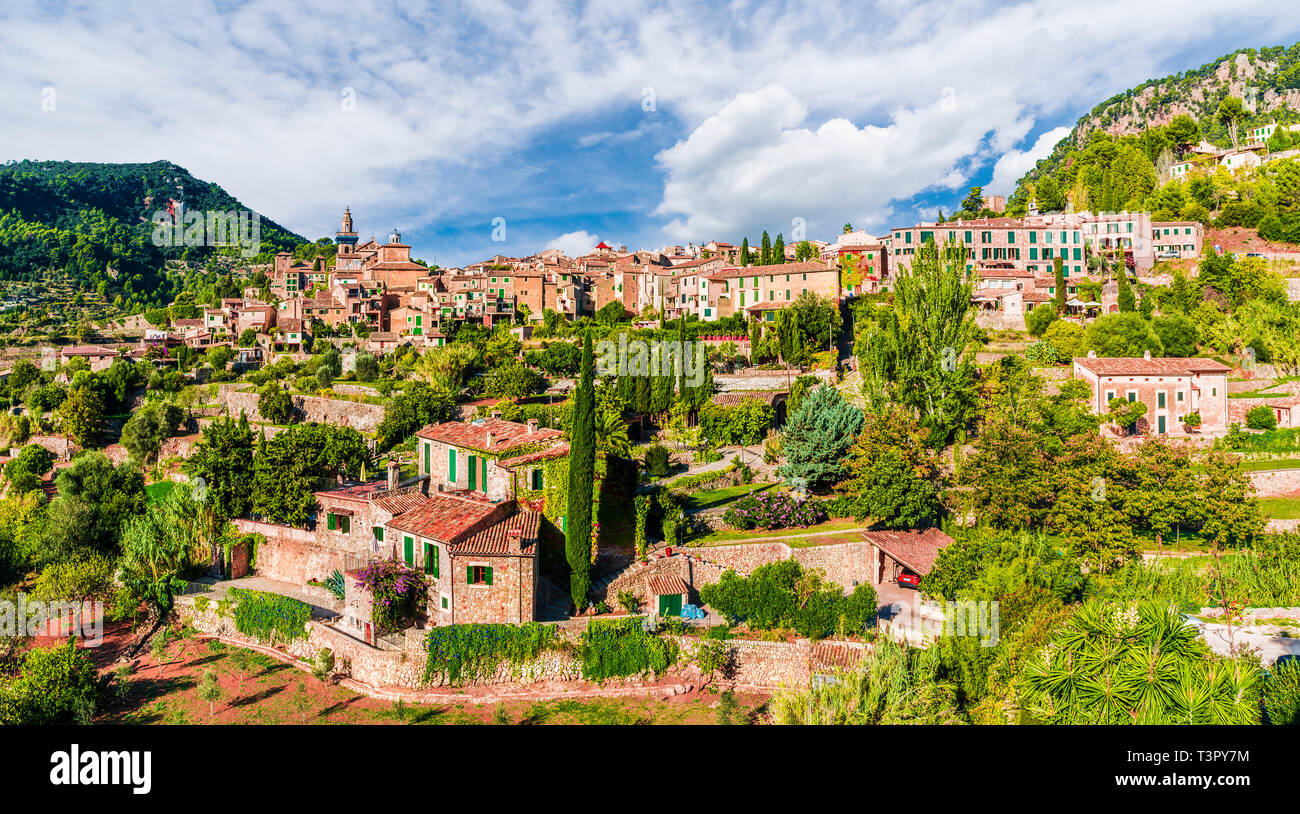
(1171, 388)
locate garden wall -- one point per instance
(1275, 482)
(758, 665)
(360, 417)
(290, 554)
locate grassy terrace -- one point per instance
(1281, 508)
(719, 497)
(840, 530)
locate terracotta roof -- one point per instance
(558, 451)
(915, 549)
(398, 503)
(516, 535)
(666, 585)
(88, 350)
(1140, 366)
(780, 268)
(449, 518)
(474, 434)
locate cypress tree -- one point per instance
(1059, 269)
(745, 259)
(765, 250)
(778, 250)
(1127, 302)
(582, 468)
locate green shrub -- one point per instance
(87, 576)
(656, 460)
(618, 648)
(785, 595)
(258, 613)
(56, 685)
(1281, 694)
(1261, 418)
(475, 652)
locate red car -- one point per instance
(909, 580)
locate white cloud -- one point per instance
(574, 244)
(1015, 163)
(845, 117)
(756, 162)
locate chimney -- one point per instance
(1092, 354)
(491, 435)
(1146, 354)
(532, 426)
(394, 475)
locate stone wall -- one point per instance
(340, 413)
(292, 555)
(758, 665)
(1275, 482)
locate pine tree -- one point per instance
(582, 468)
(1058, 268)
(745, 259)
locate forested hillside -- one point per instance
(88, 218)
(1122, 154)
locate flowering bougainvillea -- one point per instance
(397, 593)
(774, 510)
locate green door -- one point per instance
(670, 605)
(1160, 422)
(473, 472)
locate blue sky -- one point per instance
(636, 124)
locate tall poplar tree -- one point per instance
(582, 474)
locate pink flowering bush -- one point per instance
(397, 593)
(774, 510)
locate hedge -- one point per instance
(258, 614)
(617, 648)
(475, 652)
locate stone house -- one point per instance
(489, 457)
(1171, 388)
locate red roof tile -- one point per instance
(474, 434)
(666, 585)
(449, 518)
(516, 535)
(915, 549)
(1139, 366)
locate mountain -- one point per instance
(88, 218)
(1144, 123)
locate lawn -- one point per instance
(1280, 508)
(826, 529)
(1274, 463)
(719, 497)
(274, 692)
(160, 490)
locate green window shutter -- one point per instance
(473, 472)
(379, 533)
(345, 524)
(483, 485)
(469, 575)
(435, 562)
(489, 575)
(408, 550)
(451, 465)
(428, 448)
(330, 521)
